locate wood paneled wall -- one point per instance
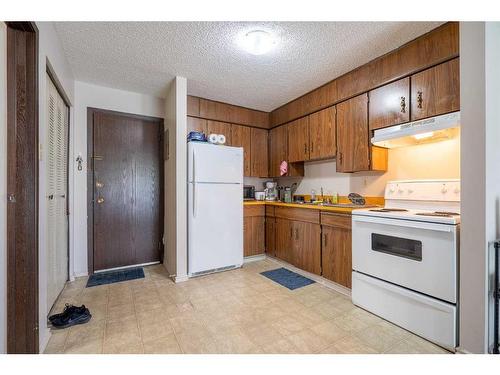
(439, 45)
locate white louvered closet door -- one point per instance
(57, 176)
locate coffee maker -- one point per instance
(271, 191)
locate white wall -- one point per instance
(50, 54)
(426, 161)
(175, 260)
(3, 187)
(479, 98)
(89, 95)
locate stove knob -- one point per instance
(457, 190)
(444, 190)
(401, 191)
(410, 191)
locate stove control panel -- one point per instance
(424, 190)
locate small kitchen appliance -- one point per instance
(271, 191)
(405, 258)
(248, 192)
(260, 195)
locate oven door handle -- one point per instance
(404, 223)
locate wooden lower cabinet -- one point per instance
(254, 230)
(271, 236)
(306, 246)
(283, 240)
(336, 251)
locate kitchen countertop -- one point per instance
(344, 210)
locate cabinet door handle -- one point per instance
(420, 100)
(296, 234)
(291, 232)
(305, 148)
(340, 157)
(403, 104)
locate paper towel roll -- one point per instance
(221, 139)
(212, 138)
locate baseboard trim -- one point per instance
(180, 279)
(254, 258)
(319, 279)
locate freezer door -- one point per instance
(216, 164)
(215, 226)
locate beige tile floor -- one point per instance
(237, 311)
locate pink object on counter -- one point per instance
(283, 168)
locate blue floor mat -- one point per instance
(287, 278)
(115, 276)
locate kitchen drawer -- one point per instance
(298, 214)
(257, 210)
(336, 220)
(270, 211)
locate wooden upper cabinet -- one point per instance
(298, 140)
(218, 127)
(259, 153)
(277, 149)
(196, 124)
(193, 106)
(436, 91)
(353, 147)
(390, 104)
(322, 137)
(240, 137)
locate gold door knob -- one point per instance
(100, 200)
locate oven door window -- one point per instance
(401, 247)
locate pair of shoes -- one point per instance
(72, 315)
(68, 309)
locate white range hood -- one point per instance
(417, 132)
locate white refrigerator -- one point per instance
(215, 208)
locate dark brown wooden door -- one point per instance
(337, 254)
(127, 184)
(322, 137)
(260, 160)
(436, 91)
(353, 147)
(298, 140)
(22, 189)
(390, 104)
(240, 137)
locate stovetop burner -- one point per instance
(389, 210)
(438, 213)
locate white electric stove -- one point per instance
(405, 258)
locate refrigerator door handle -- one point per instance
(194, 186)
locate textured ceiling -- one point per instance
(145, 56)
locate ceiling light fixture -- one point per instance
(257, 42)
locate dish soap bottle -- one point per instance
(335, 198)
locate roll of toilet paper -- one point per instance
(221, 139)
(212, 138)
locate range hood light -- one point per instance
(420, 136)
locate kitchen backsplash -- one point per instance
(256, 181)
(426, 161)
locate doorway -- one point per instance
(125, 190)
(22, 187)
(57, 191)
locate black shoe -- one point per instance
(68, 309)
(77, 316)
